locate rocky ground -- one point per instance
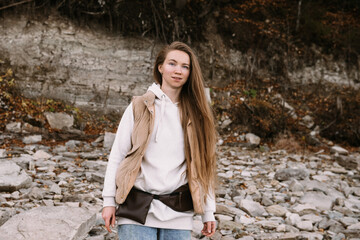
(54, 192)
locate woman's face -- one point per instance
(175, 69)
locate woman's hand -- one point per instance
(209, 229)
(108, 214)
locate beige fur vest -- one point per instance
(128, 169)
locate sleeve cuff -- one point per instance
(109, 201)
(208, 217)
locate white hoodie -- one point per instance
(163, 168)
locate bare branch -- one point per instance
(15, 4)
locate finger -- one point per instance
(107, 224)
(213, 227)
(113, 219)
(209, 227)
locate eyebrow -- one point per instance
(176, 62)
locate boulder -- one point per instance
(291, 173)
(59, 120)
(49, 223)
(252, 139)
(12, 177)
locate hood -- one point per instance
(155, 88)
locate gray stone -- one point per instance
(292, 218)
(347, 221)
(339, 150)
(252, 139)
(355, 226)
(12, 177)
(109, 139)
(269, 225)
(55, 189)
(2, 153)
(50, 223)
(245, 219)
(291, 173)
(276, 210)
(307, 121)
(59, 120)
(296, 186)
(311, 217)
(36, 193)
(305, 225)
(14, 127)
(318, 199)
(223, 209)
(303, 209)
(32, 139)
(6, 214)
(226, 123)
(252, 208)
(347, 162)
(41, 155)
(72, 144)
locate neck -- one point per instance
(172, 93)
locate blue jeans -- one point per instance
(139, 232)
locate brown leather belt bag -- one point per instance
(137, 203)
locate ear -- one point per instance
(160, 68)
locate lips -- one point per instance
(176, 78)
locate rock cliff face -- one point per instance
(54, 58)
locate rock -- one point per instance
(12, 177)
(245, 220)
(296, 186)
(318, 199)
(28, 128)
(223, 209)
(303, 209)
(55, 189)
(36, 193)
(289, 109)
(293, 218)
(291, 173)
(59, 120)
(347, 221)
(14, 127)
(307, 121)
(6, 214)
(197, 227)
(276, 210)
(269, 225)
(305, 225)
(229, 225)
(2, 153)
(226, 123)
(32, 139)
(355, 226)
(252, 139)
(41, 155)
(50, 223)
(252, 208)
(73, 144)
(109, 139)
(347, 162)
(339, 150)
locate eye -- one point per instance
(186, 67)
(171, 64)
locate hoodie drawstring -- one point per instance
(162, 110)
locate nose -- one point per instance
(178, 70)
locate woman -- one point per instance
(164, 148)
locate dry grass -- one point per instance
(288, 143)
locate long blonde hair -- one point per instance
(194, 107)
